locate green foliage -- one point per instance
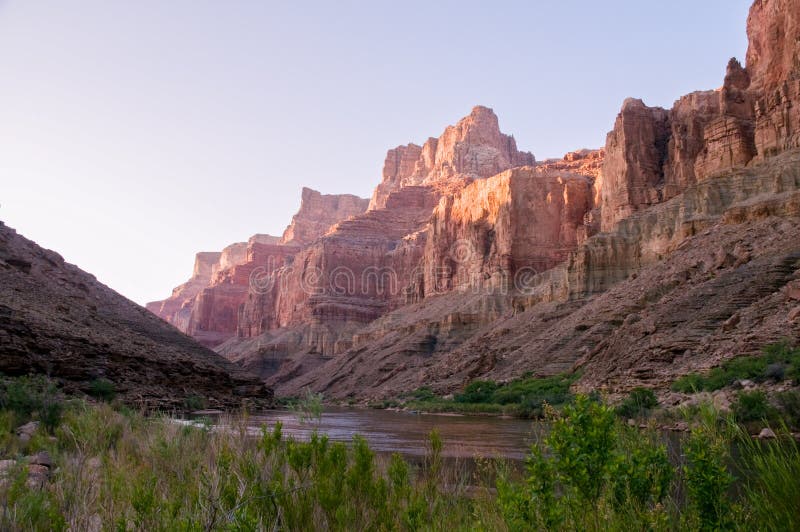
(102, 389)
(121, 470)
(752, 406)
(707, 478)
(195, 402)
(583, 441)
(28, 398)
(308, 407)
(525, 397)
(789, 407)
(637, 404)
(779, 361)
(478, 392)
(772, 481)
(423, 393)
(587, 464)
(642, 475)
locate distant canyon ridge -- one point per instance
(674, 247)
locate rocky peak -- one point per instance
(474, 148)
(773, 53)
(204, 263)
(318, 212)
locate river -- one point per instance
(407, 433)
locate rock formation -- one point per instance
(698, 208)
(474, 148)
(318, 213)
(473, 260)
(58, 320)
(207, 306)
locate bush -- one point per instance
(637, 404)
(789, 405)
(478, 392)
(779, 361)
(707, 477)
(583, 462)
(30, 398)
(690, 383)
(752, 406)
(102, 389)
(195, 402)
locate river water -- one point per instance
(407, 433)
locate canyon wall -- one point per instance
(472, 257)
(706, 189)
(59, 321)
(207, 306)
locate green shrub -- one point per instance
(30, 398)
(771, 481)
(195, 402)
(690, 383)
(789, 405)
(707, 478)
(752, 406)
(643, 473)
(638, 403)
(423, 394)
(102, 389)
(779, 361)
(478, 392)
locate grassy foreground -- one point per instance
(117, 469)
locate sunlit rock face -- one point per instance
(472, 259)
(473, 148)
(524, 218)
(318, 212)
(698, 208)
(208, 305)
(653, 154)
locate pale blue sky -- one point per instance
(133, 134)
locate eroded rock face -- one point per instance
(637, 307)
(633, 166)
(372, 263)
(318, 212)
(56, 319)
(483, 236)
(653, 155)
(474, 148)
(398, 168)
(699, 207)
(207, 307)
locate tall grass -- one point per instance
(120, 470)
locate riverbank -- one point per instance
(71, 464)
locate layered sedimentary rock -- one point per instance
(207, 307)
(397, 168)
(700, 215)
(653, 299)
(318, 212)
(373, 263)
(653, 154)
(58, 320)
(474, 148)
(522, 220)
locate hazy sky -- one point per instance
(134, 134)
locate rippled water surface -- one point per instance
(406, 433)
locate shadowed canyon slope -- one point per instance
(674, 247)
(58, 320)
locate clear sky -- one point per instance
(136, 133)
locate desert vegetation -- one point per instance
(113, 468)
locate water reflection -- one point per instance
(407, 433)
